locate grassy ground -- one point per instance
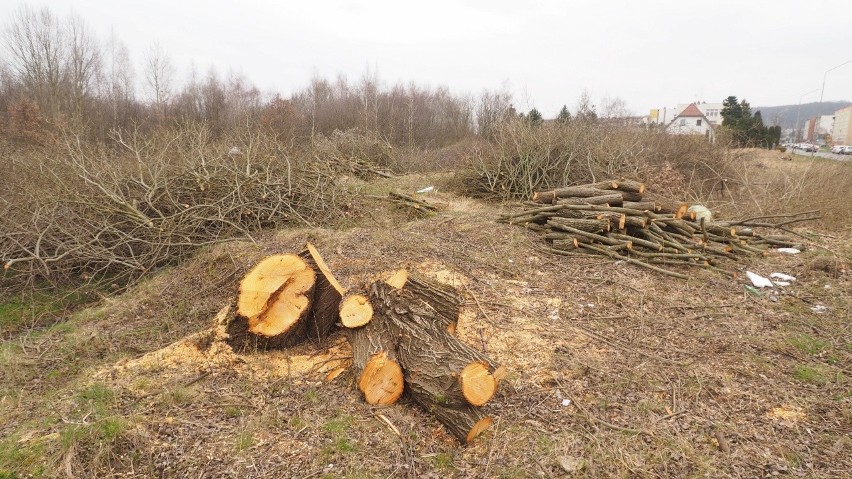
(614, 371)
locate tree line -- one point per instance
(747, 129)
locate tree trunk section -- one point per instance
(442, 299)
(613, 199)
(273, 306)
(583, 191)
(378, 374)
(458, 374)
(464, 422)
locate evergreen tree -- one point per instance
(731, 111)
(534, 117)
(746, 130)
(564, 115)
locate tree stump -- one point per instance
(274, 302)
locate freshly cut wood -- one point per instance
(590, 226)
(464, 422)
(378, 374)
(274, 302)
(355, 310)
(550, 197)
(443, 299)
(327, 295)
(613, 199)
(641, 205)
(621, 185)
(570, 242)
(666, 206)
(462, 374)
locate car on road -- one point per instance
(810, 147)
(846, 150)
(837, 148)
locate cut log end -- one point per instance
(478, 385)
(275, 294)
(381, 382)
(479, 427)
(398, 279)
(355, 311)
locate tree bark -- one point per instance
(464, 422)
(327, 295)
(583, 191)
(378, 374)
(613, 199)
(460, 374)
(442, 299)
(590, 226)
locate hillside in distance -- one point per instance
(785, 115)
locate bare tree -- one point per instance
(83, 61)
(159, 74)
(119, 80)
(614, 108)
(35, 48)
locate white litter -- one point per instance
(819, 309)
(426, 190)
(781, 283)
(782, 277)
(759, 281)
(701, 211)
(566, 402)
(789, 250)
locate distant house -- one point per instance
(663, 116)
(692, 121)
(842, 132)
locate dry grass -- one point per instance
(767, 182)
(655, 370)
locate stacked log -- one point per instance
(401, 331)
(619, 220)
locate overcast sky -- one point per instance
(650, 53)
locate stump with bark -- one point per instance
(274, 304)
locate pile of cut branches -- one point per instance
(402, 332)
(619, 220)
(108, 216)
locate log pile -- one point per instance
(401, 330)
(619, 220)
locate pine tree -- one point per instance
(564, 115)
(534, 117)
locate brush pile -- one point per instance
(618, 219)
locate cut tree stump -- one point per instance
(327, 295)
(462, 375)
(274, 302)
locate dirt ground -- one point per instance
(614, 371)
